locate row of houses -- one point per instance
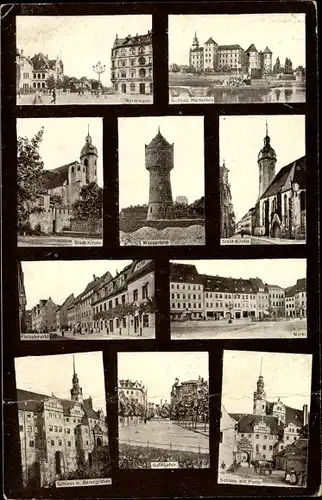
(201, 296)
(123, 304)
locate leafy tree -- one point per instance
(50, 82)
(90, 204)
(288, 67)
(191, 69)
(56, 200)
(277, 66)
(175, 68)
(29, 172)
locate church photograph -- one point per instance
(60, 182)
(262, 180)
(62, 418)
(167, 205)
(265, 415)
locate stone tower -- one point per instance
(88, 159)
(260, 396)
(159, 162)
(76, 391)
(266, 165)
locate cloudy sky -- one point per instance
(284, 34)
(63, 139)
(282, 272)
(187, 176)
(82, 41)
(158, 370)
(57, 372)
(286, 376)
(287, 133)
(44, 279)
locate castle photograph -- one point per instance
(86, 300)
(244, 299)
(262, 180)
(163, 420)
(62, 420)
(265, 414)
(241, 58)
(60, 181)
(167, 205)
(115, 63)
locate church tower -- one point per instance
(260, 396)
(159, 159)
(266, 164)
(88, 159)
(195, 42)
(76, 391)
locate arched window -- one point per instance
(78, 168)
(73, 170)
(123, 74)
(99, 441)
(123, 88)
(132, 87)
(141, 50)
(141, 61)
(142, 72)
(113, 75)
(151, 88)
(86, 162)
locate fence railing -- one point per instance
(168, 446)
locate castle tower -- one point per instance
(88, 159)
(195, 42)
(76, 391)
(266, 164)
(159, 162)
(260, 396)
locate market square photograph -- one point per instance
(114, 66)
(167, 205)
(262, 180)
(86, 300)
(239, 58)
(59, 182)
(265, 413)
(238, 299)
(163, 410)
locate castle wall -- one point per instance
(46, 220)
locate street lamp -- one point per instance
(99, 69)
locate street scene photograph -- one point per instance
(86, 300)
(163, 410)
(84, 60)
(167, 206)
(265, 412)
(237, 59)
(238, 299)
(62, 418)
(59, 182)
(262, 180)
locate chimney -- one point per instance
(94, 277)
(305, 415)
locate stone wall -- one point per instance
(129, 226)
(50, 220)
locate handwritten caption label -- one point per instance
(155, 243)
(164, 465)
(83, 482)
(235, 241)
(35, 336)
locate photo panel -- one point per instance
(262, 179)
(115, 67)
(238, 299)
(234, 59)
(163, 410)
(87, 300)
(265, 412)
(64, 438)
(167, 205)
(60, 182)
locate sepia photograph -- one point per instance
(265, 412)
(86, 300)
(59, 182)
(238, 299)
(64, 439)
(163, 412)
(262, 180)
(167, 205)
(84, 60)
(239, 58)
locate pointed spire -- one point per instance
(266, 128)
(159, 130)
(260, 373)
(74, 372)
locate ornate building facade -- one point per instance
(43, 316)
(227, 215)
(132, 64)
(57, 436)
(34, 71)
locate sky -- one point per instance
(158, 370)
(286, 376)
(44, 279)
(187, 176)
(82, 41)
(63, 139)
(287, 133)
(284, 34)
(282, 272)
(56, 375)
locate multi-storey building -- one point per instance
(22, 299)
(186, 292)
(43, 316)
(276, 298)
(295, 299)
(227, 215)
(43, 68)
(61, 313)
(24, 72)
(262, 297)
(58, 436)
(132, 64)
(189, 389)
(133, 390)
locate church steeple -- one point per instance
(260, 395)
(76, 391)
(266, 164)
(88, 159)
(195, 42)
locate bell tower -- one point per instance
(88, 159)
(266, 164)
(76, 391)
(259, 399)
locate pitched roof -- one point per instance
(293, 172)
(56, 177)
(257, 283)
(230, 47)
(210, 41)
(215, 283)
(246, 422)
(198, 49)
(267, 51)
(159, 142)
(301, 285)
(293, 415)
(133, 40)
(290, 291)
(186, 273)
(252, 48)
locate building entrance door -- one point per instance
(54, 225)
(142, 88)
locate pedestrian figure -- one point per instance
(242, 233)
(223, 465)
(53, 101)
(145, 420)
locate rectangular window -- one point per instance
(124, 322)
(145, 291)
(20, 428)
(32, 443)
(135, 295)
